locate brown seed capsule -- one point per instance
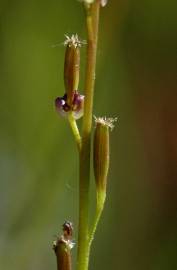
(63, 254)
(71, 66)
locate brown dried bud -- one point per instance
(71, 66)
(62, 247)
(68, 230)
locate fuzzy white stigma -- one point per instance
(106, 121)
(102, 2)
(73, 41)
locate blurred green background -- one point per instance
(137, 82)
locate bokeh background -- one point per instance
(137, 82)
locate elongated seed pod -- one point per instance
(71, 67)
(101, 154)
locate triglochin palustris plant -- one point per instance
(73, 105)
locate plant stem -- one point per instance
(99, 209)
(92, 20)
(75, 130)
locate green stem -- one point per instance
(83, 233)
(101, 197)
(75, 130)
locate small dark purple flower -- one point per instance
(77, 107)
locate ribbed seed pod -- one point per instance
(101, 154)
(71, 67)
(101, 151)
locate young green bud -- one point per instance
(71, 66)
(101, 152)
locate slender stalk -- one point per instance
(75, 130)
(83, 232)
(99, 209)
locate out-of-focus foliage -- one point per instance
(136, 81)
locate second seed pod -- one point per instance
(101, 154)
